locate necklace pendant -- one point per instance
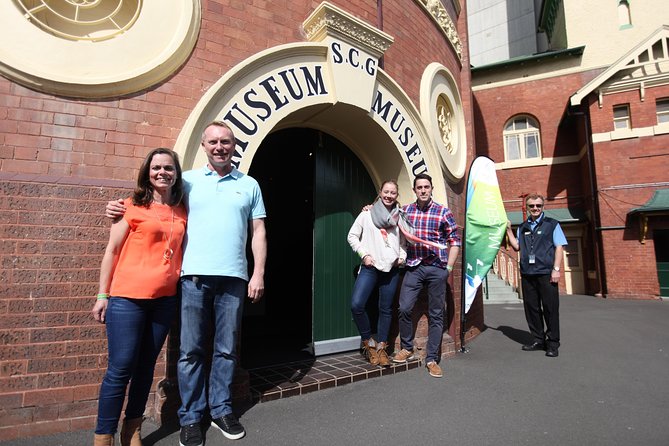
(168, 253)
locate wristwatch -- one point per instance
(556, 268)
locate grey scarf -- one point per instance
(382, 217)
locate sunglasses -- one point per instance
(538, 206)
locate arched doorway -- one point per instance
(313, 187)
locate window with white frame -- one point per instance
(624, 14)
(621, 117)
(521, 139)
(662, 110)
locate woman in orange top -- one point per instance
(140, 270)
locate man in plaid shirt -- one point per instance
(428, 264)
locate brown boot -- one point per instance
(130, 432)
(104, 440)
(382, 354)
(369, 351)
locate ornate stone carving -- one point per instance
(444, 118)
(440, 15)
(328, 20)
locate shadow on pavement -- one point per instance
(518, 336)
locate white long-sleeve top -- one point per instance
(367, 239)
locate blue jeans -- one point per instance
(368, 278)
(206, 300)
(415, 278)
(136, 331)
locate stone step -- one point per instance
(498, 292)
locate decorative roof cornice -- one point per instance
(330, 21)
(443, 19)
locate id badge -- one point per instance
(532, 258)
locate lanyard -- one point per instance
(533, 233)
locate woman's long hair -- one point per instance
(143, 194)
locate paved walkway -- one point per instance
(608, 387)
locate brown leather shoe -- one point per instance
(369, 351)
(403, 356)
(384, 360)
(434, 369)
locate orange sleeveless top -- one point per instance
(142, 272)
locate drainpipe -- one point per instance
(379, 24)
(595, 221)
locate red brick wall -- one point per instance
(546, 101)
(61, 159)
(628, 172)
(563, 133)
(53, 353)
(642, 113)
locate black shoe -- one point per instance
(552, 353)
(190, 435)
(534, 347)
(230, 426)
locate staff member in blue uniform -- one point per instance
(540, 240)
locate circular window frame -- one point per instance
(141, 56)
(438, 87)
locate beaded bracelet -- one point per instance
(102, 296)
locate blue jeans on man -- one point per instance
(415, 278)
(368, 278)
(136, 332)
(207, 301)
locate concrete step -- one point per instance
(498, 292)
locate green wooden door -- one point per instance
(661, 242)
(341, 187)
(663, 276)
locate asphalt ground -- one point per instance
(609, 386)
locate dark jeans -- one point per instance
(542, 303)
(136, 331)
(434, 278)
(367, 279)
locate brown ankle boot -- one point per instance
(104, 440)
(130, 432)
(370, 351)
(382, 354)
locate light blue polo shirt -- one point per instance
(219, 212)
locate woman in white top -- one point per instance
(377, 239)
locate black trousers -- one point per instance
(542, 303)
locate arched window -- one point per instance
(521, 139)
(624, 14)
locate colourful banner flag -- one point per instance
(485, 224)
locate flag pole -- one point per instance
(463, 271)
(463, 315)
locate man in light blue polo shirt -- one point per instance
(223, 204)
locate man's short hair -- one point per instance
(217, 124)
(535, 197)
(422, 176)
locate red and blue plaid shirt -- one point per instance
(433, 223)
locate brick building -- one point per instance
(339, 95)
(582, 119)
